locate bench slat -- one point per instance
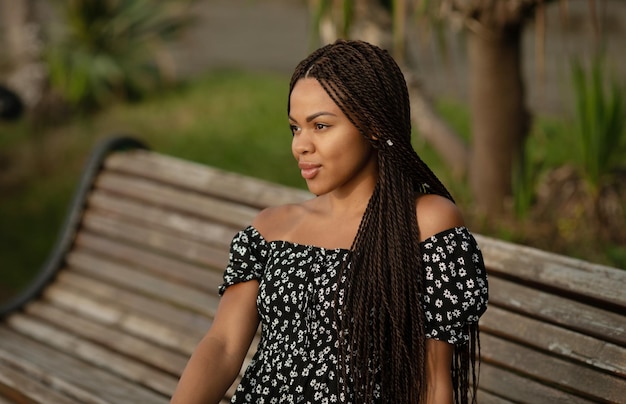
(198, 177)
(156, 240)
(507, 385)
(107, 337)
(125, 276)
(591, 281)
(176, 200)
(120, 317)
(485, 397)
(5, 397)
(165, 268)
(172, 315)
(552, 371)
(84, 306)
(74, 344)
(206, 231)
(20, 388)
(70, 376)
(193, 228)
(599, 323)
(565, 343)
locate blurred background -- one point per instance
(519, 105)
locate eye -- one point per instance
(293, 129)
(320, 126)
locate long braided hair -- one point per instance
(382, 334)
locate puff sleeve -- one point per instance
(456, 288)
(247, 258)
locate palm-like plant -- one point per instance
(601, 123)
(112, 48)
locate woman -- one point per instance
(369, 292)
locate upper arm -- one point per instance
(435, 214)
(218, 357)
(236, 319)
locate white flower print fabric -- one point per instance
(296, 360)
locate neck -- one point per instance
(348, 203)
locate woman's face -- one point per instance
(331, 153)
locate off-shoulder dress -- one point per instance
(296, 359)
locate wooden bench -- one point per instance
(131, 288)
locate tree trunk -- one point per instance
(435, 130)
(23, 48)
(500, 120)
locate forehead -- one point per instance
(309, 93)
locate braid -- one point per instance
(379, 331)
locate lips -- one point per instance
(308, 170)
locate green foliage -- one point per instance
(539, 154)
(524, 182)
(112, 48)
(601, 123)
(339, 11)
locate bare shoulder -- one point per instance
(274, 222)
(435, 214)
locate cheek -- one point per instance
(361, 147)
(367, 152)
(293, 148)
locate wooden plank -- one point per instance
(18, 387)
(72, 342)
(485, 397)
(204, 179)
(567, 344)
(108, 304)
(127, 277)
(6, 400)
(598, 282)
(598, 323)
(73, 304)
(175, 200)
(173, 316)
(564, 375)
(70, 376)
(118, 316)
(113, 311)
(154, 240)
(506, 385)
(208, 231)
(165, 268)
(110, 338)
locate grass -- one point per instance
(230, 119)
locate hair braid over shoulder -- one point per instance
(382, 334)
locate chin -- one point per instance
(317, 189)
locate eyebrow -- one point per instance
(315, 115)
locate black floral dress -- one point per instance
(296, 360)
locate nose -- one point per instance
(302, 143)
